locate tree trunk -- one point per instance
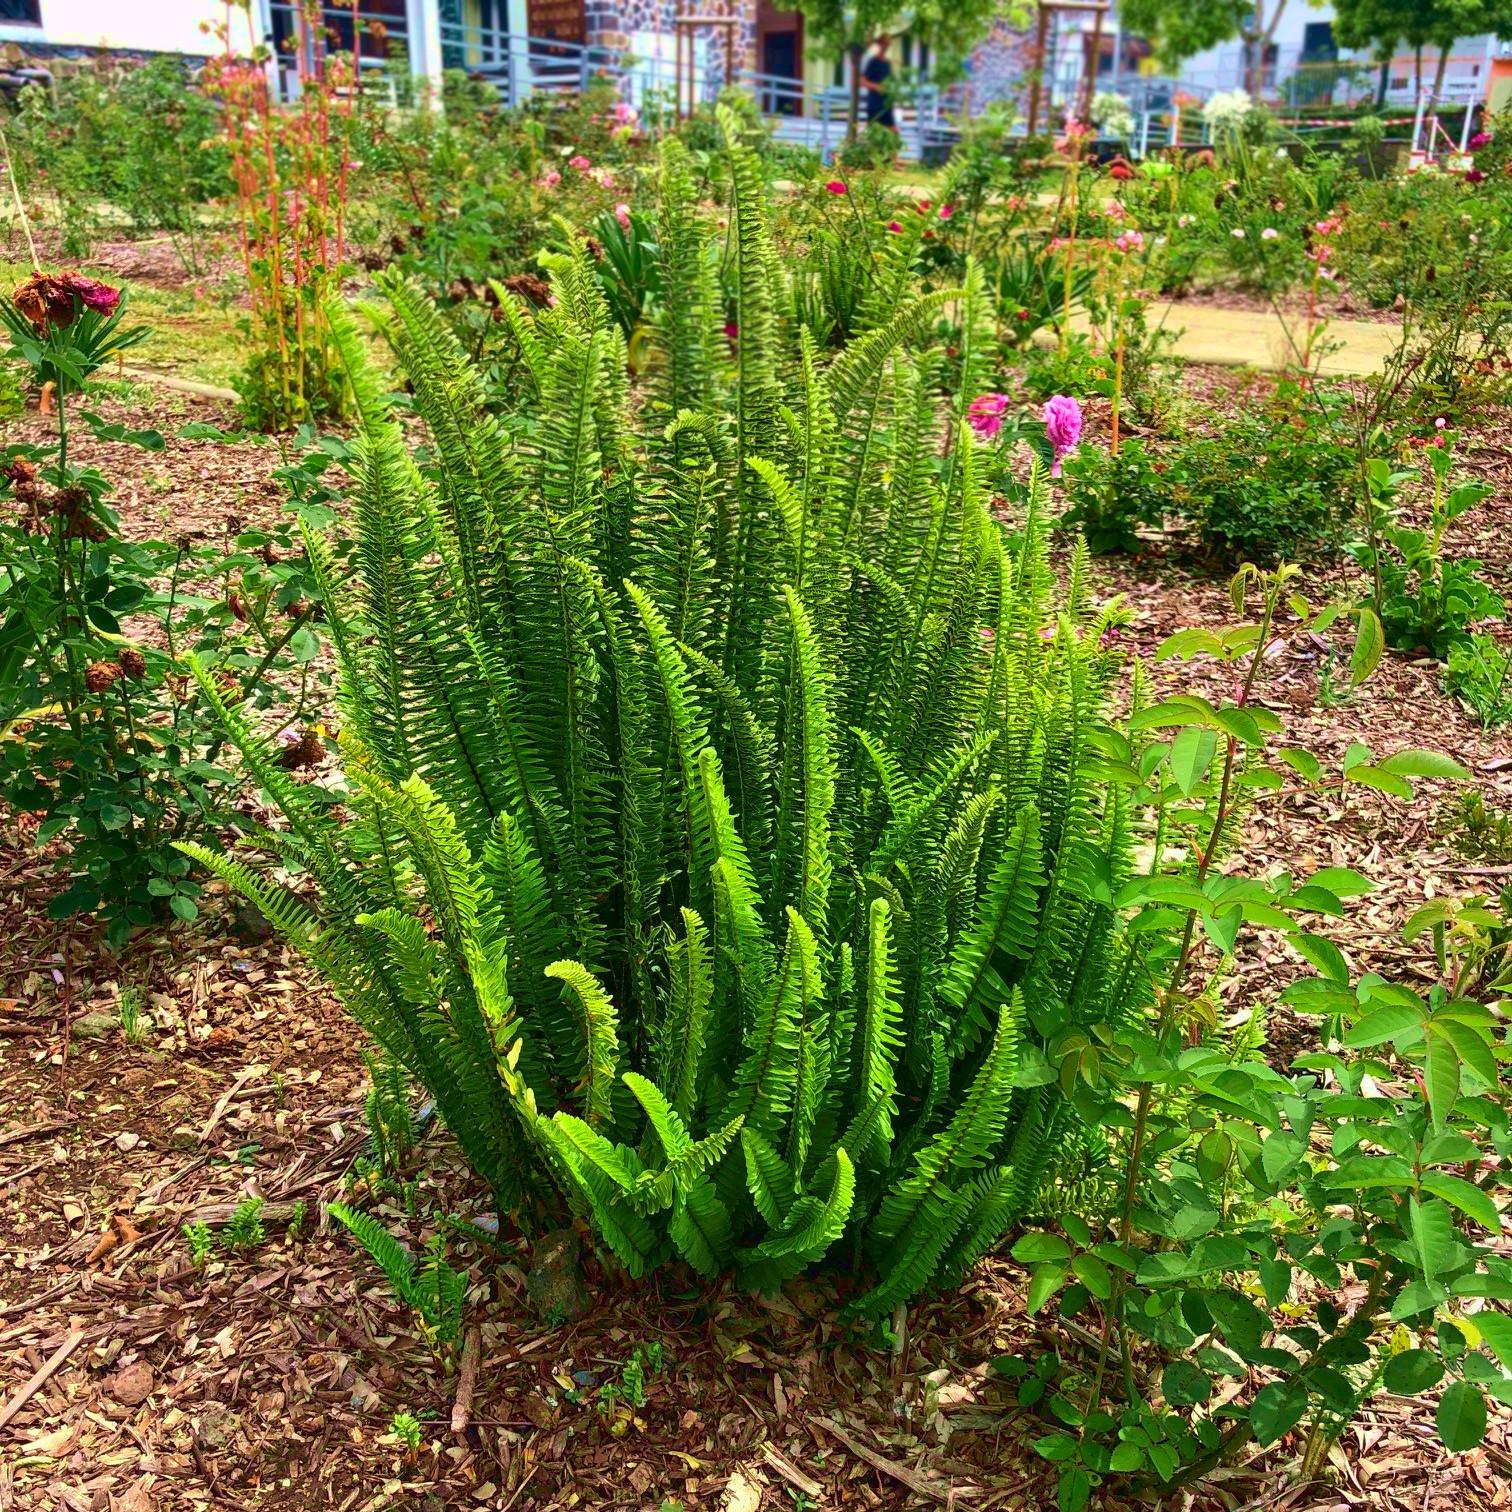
(1381, 84)
(1438, 77)
(1418, 81)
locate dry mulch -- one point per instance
(269, 1377)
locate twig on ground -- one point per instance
(921, 1485)
(219, 1110)
(40, 1377)
(467, 1380)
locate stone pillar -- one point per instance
(424, 24)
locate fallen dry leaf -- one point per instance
(742, 1494)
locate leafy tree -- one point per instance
(1384, 25)
(1182, 28)
(840, 28)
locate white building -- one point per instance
(1304, 65)
(186, 28)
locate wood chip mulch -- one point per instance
(132, 1380)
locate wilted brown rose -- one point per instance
(21, 474)
(44, 300)
(535, 290)
(305, 750)
(101, 674)
(55, 299)
(133, 664)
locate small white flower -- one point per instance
(1237, 233)
(1269, 234)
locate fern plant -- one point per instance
(724, 846)
(432, 1289)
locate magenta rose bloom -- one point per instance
(55, 299)
(1063, 428)
(985, 415)
(99, 297)
(835, 186)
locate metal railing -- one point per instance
(819, 118)
(382, 43)
(519, 66)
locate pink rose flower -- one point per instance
(550, 179)
(893, 226)
(1063, 428)
(985, 414)
(578, 161)
(622, 215)
(836, 186)
(946, 211)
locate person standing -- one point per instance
(875, 79)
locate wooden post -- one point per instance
(1037, 83)
(1094, 62)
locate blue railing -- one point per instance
(380, 27)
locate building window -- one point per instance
(1318, 41)
(26, 12)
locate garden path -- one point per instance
(1268, 341)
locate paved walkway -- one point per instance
(1262, 339)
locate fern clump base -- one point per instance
(722, 842)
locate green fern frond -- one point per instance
(598, 1024)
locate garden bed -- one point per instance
(269, 1376)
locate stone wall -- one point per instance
(616, 23)
(999, 69)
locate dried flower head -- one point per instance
(21, 474)
(133, 664)
(304, 750)
(100, 675)
(51, 300)
(528, 287)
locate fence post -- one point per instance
(423, 26)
